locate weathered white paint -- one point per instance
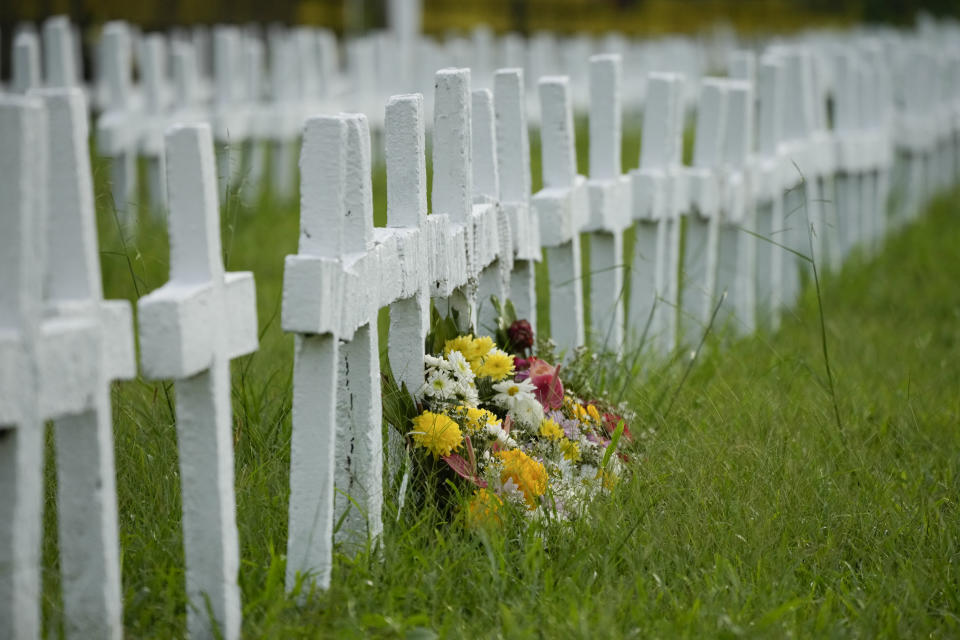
(768, 172)
(59, 65)
(736, 254)
(700, 259)
(23, 212)
(454, 265)
(86, 343)
(513, 163)
(562, 209)
(659, 194)
(26, 62)
(190, 329)
(118, 124)
(609, 197)
(312, 278)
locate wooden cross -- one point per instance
(609, 194)
(659, 194)
(190, 329)
(562, 209)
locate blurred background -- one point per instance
(439, 16)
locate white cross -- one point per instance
(117, 126)
(190, 329)
(450, 225)
(562, 208)
(154, 121)
(26, 62)
(700, 257)
(768, 172)
(659, 195)
(86, 343)
(736, 253)
(59, 63)
(852, 158)
(230, 116)
(513, 164)
(492, 232)
(609, 197)
(336, 255)
(23, 210)
(284, 124)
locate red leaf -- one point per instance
(462, 468)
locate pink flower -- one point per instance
(545, 377)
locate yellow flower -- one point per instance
(592, 411)
(529, 475)
(463, 344)
(436, 433)
(483, 345)
(571, 450)
(482, 509)
(608, 479)
(551, 430)
(496, 366)
(477, 419)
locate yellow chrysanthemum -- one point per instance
(483, 508)
(497, 366)
(482, 345)
(571, 450)
(477, 419)
(437, 433)
(529, 475)
(463, 344)
(550, 430)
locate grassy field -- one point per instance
(751, 511)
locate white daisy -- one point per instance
(439, 385)
(460, 366)
(510, 392)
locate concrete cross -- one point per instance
(336, 254)
(609, 197)
(404, 283)
(23, 211)
(284, 125)
(768, 172)
(255, 147)
(155, 119)
(562, 208)
(736, 254)
(119, 123)
(513, 164)
(86, 343)
(229, 117)
(26, 62)
(190, 329)
(659, 195)
(706, 180)
(492, 232)
(852, 159)
(452, 260)
(59, 63)
(804, 149)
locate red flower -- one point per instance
(610, 422)
(521, 335)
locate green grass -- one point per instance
(749, 511)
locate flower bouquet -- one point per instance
(494, 425)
